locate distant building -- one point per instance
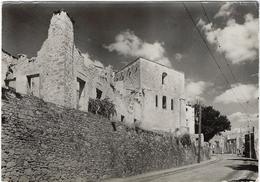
(231, 142)
(190, 118)
(145, 93)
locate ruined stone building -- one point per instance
(153, 95)
(145, 93)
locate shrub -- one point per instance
(103, 107)
(185, 140)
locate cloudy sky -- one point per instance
(117, 33)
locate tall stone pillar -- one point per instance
(57, 82)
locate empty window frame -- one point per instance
(80, 91)
(172, 106)
(99, 93)
(156, 101)
(33, 84)
(122, 118)
(164, 102)
(80, 88)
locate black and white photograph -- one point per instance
(130, 91)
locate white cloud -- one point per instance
(88, 61)
(128, 44)
(194, 90)
(239, 121)
(242, 117)
(178, 57)
(238, 42)
(238, 93)
(225, 10)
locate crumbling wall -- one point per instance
(57, 76)
(43, 141)
(53, 64)
(8, 63)
(130, 76)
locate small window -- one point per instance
(99, 94)
(156, 100)
(186, 109)
(164, 102)
(135, 120)
(171, 104)
(122, 118)
(163, 77)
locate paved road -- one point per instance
(227, 169)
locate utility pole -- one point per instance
(180, 118)
(250, 144)
(199, 142)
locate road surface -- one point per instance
(227, 168)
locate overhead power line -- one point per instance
(228, 65)
(212, 55)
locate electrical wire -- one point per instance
(212, 55)
(228, 65)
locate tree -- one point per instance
(212, 122)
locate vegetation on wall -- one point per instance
(185, 140)
(103, 107)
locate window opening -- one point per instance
(99, 93)
(80, 91)
(164, 102)
(122, 118)
(171, 104)
(163, 77)
(33, 83)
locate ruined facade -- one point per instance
(59, 73)
(146, 94)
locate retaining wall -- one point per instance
(46, 142)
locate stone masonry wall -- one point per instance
(45, 142)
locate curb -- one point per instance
(165, 172)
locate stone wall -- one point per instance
(157, 117)
(45, 142)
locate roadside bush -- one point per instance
(185, 140)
